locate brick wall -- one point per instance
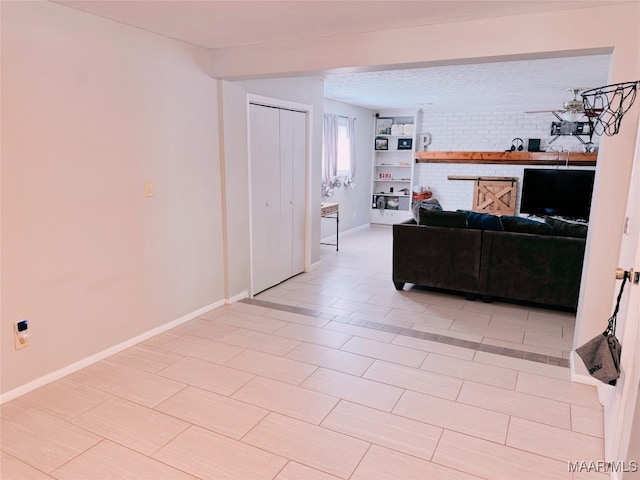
(493, 131)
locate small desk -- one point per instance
(331, 210)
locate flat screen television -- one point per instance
(563, 193)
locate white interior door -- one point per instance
(278, 148)
(621, 401)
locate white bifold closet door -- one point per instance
(277, 146)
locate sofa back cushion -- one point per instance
(483, 221)
(435, 218)
(566, 229)
(525, 225)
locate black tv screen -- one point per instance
(563, 193)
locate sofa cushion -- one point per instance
(483, 221)
(436, 218)
(525, 225)
(430, 204)
(566, 229)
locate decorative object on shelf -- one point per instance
(393, 203)
(425, 141)
(421, 193)
(383, 125)
(397, 129)
(382, 143)
(605, 106)
(405, 143)
(385, 176)
(516, 144)
(407, 129)
(533, 145)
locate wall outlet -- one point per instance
(21, 334)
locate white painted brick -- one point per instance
(490, 131)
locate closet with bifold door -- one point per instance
(277, 152)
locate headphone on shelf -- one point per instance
(517, 144)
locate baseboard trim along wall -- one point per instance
(237, 298)
(580, 377)
(74, 367)
(332, 238)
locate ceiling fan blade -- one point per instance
(546, 111)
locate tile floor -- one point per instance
(330, 375)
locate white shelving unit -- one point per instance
(393, 162)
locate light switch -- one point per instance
(148, 189)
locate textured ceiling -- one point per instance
(513, 86)
(521, 85)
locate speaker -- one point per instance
(517, 144)
(533, 145)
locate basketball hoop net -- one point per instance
(605, 106)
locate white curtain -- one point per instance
(330, 177)
(329, 153)
(351, 179)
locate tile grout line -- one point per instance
(409, 332)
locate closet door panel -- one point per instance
(286, 192)
(265, 196)
(278, 145)
(299, 187)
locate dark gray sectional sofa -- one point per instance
(541, 268)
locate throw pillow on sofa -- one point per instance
(483, 221)
(566, 229)
(436, 218)
(517, 224)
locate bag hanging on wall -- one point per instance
(601, 354)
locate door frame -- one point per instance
(308, 111)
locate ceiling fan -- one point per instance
(573, 107)
(572, 125)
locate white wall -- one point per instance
(493, 131)
(304, 90)
(355, 203)
(90, 110)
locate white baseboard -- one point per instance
(314, 266)
(237, 298)
(580, 377)
(90, 360)
(332, 238)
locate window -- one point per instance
(338, 153)
(343, 164)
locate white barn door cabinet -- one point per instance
(277, 148)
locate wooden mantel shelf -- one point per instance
(505, 158)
